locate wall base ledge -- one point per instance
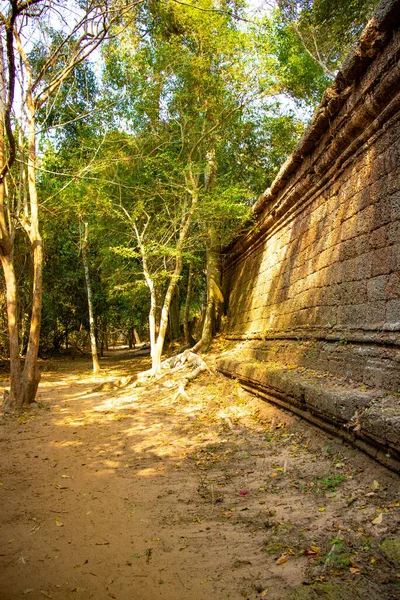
(369, 420)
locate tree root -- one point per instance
(173, 365)
(169, 366)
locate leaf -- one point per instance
(315, 549)
(79, 589)
(375, 485)
(352, 499)
(244, 493)
(81, 565)
(309, 552)
(45, 593)
(65, 476)
(321, 509)
(355, 570)
(281, 560)
(378, 519)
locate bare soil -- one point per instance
(136, 494)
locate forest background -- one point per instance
(134, 139)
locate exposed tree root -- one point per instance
(173, 365)
(169, 367)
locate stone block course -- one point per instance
(329, 267)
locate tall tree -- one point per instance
(186, 83)
(38, 53)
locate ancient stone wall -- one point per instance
(315, 286)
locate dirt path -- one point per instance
(135, 495)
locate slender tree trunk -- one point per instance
(213, 260)
(95, 359)
(136, 336)
(156, 356)
(31, 373)
(159, 345)
(131, 338)
(106, 340)
(152, 316)
(174, 330)
(214, 292)
(186, 332)
(13, 396)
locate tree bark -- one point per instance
(174, 331)
(186, 331)
(31, 373)
(85, 259)
(215, 297)
(12, 397)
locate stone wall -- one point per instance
(314, 288)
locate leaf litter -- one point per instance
(253, 503)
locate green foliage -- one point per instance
(338, 556)
(183, 82)
(312, 37)
(299, 75)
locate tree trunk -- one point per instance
(136, 336)
(174, 330)
(95, 359)
(215, 297)
(131, 338)
(186, 332)
(31, 373)
(12, 397)
(152, 315)
(159, 345)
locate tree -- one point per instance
(39, 69)
(309, 39)
(85, 260)
(184, 87)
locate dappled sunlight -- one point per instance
(137, 483)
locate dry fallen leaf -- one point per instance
(45, 593)
(282, 559)
(375, 485)
(378, 519)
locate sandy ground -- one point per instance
(136, 494)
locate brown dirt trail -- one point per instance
(134, 494)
